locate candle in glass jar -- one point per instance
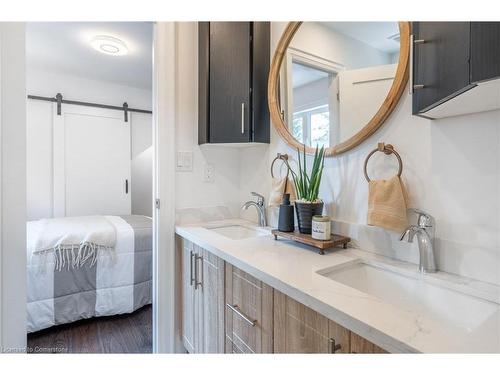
(321, 228)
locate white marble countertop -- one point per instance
(292, 269)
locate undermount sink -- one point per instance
(238, 232)
(414, 292)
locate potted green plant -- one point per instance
(307, 188)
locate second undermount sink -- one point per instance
(238, 232)
(415, 292)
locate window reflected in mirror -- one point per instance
(335, 77)
(313, 103)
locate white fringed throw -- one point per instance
(75, 241)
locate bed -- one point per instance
(106, 272)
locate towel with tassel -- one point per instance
(387, 204)
(74, 241)
(279, 187)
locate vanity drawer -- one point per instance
(299, 329)
(249, 312)
(362, 346)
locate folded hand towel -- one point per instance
(73, 240)
(279, 188)
(387, 204)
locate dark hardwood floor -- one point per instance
(127, 333)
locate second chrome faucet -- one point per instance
(424, 230)
(259, 205)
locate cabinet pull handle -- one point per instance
(242, 118)
(414, 41)
(197, 282)
(191, 255)
(334, 347)
(237, 311)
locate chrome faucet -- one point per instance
(261, 208)
(424, 230)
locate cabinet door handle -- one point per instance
(334, 347)
(191, 276)
(242, 118)
(198, 282)
(126, 186)
(236, 310)
(413, 42)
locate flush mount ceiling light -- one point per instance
(109, 45)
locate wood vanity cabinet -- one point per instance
(298, 329)
(360, 345)
(202, 281)
(233, 67)
(226, 310)
(451, 61)
(249, 313)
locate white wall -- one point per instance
(39, 135)
(451, 170)
(322, 41)
(48, 83)
(312, 94)
(192, 192)
(12, 188)
(142, 164)
(39, 164)
(142, 183)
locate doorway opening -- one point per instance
(89, 187)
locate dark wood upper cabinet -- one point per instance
(449, 60)
(485, 51)
(233, 67)
(446, 43)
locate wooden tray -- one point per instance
(335, 240)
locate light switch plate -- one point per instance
(184, 162)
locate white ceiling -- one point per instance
(375, 34)
(302, 74)
(64, 47)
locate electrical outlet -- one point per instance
(208, 173)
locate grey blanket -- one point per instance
(119, 282)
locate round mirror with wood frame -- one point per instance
(375, 122)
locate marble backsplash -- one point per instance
(202, 214)
(452, 257)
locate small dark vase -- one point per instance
(305, 212)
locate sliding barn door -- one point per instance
(91, 162)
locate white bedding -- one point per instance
(119, 281)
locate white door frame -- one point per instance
(164, 103)
(294, 54)
(12, 188)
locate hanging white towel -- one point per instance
(279, 187)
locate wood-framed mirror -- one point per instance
(335, 83)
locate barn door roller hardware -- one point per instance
(59, 100)
(125, 112)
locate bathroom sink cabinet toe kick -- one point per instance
(226, 310)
